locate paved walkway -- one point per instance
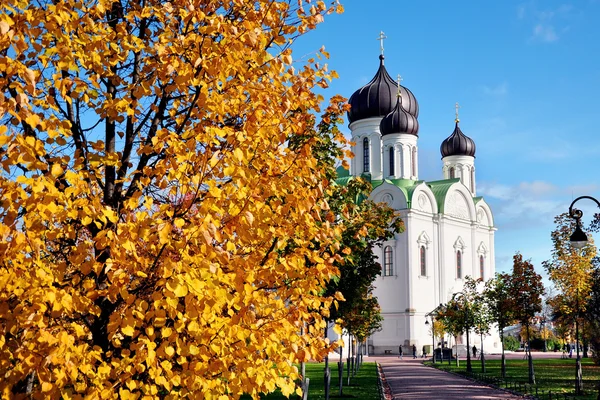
(410, 379)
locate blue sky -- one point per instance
(527, 77)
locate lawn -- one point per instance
(363, 386)
(556, 375)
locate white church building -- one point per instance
(449, 229)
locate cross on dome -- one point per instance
(399, 94)
(380, 38)
(456, 107)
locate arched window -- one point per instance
(451, 173)
(392, 161)
(388, 261)
(472, 180)
(459, 264)
(423, 261)
(481, 266)
(366, 155)
(414, 161)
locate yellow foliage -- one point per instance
(155, 225)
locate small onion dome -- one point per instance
(458, 144)
(399, 121)
(378, 97)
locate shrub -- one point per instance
(511, 343)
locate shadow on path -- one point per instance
(410, 379)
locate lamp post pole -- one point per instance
(431, 314)
(578, 372)
(432, 338)
(578, 240)
(543, 322)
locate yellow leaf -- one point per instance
(238, 154)
(56, 170)
(46, 386)
(180, 289)
(165, 234)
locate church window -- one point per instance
(472, 180)
(451, 172)
(414, 161)
(392, 166)
(423, 261)
(388, 261)
(366, 155)
(459, 264)
(481, 266)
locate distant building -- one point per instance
(449, 229)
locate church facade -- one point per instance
(449, 231)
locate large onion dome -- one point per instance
(378, 97)
(458, 144)
(399, 121)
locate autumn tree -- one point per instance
(526, 289)
(367, 226)
(500, 306)
(570, 269)
(159, 234)
(464, 312)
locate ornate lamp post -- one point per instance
(431, 314)
(578, 240)
(543, 325)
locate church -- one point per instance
(449, 229)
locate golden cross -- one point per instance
(380, 38)
(399, 94)
(456, 107)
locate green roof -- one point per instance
(343, 181)
(440, 190)
(342, 172)
(407, 187)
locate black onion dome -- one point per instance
(378, 97)
(458, 144)
(399, 121)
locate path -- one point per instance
(410, 379)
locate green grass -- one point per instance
(556, 375)
(362, 387)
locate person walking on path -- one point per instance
(474, 351)
(424, 351)
(400, 352)
(414, 351)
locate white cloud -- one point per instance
(537, 188)
(522, 204)
(548, 24)
(545, 33)
(497, 91)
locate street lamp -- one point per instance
(543, 325)
(431, 314)
(432, 339)
(578, 240)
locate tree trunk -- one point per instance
(349, 367)
(327, 372)
(503, 363)
(530, 360)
